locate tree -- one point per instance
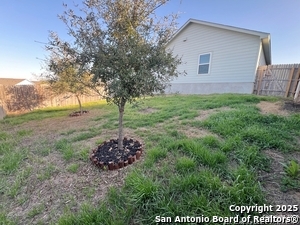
(123, 44)
(63, 74)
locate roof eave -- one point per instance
(266, 44)
(221, 26)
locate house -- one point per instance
(13, 82)
(218, 58)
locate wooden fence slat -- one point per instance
(297, 92)
(260, 81)
(278, 80)
(255, 86)
(18, 98)
(289, 82)
(297, 78)
(294, 81)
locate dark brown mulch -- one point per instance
(108, 154)
(77, 113)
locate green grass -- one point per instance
(86, 135)
(264, 131)
(68, 132)
(72, 168)
(184, 164)
(83, 154)
(49, 112)
(155, 154)
(291, 178)
(203, 155)
(65, 147)
(47, 172)
(19, 181)
(288, 184)
(6, 146)
(292, 169)
(179, 175)
(185, 176)
(4, 220)
(11, 161)
(88, 191)
(36, 210)
(22, 133)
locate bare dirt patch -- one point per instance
(195, 132)
(272, 108)
(63, 189)
(61, 124)
(79, 113)
(51, 129)
(204, 114)
(148, 110)
(66, 190)
(292, 106)
(51, 188)
(271, 181)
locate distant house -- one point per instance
(13, 82)
(218, 58)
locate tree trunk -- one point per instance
(79, 102)
(121, 113)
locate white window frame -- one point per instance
(209, 63)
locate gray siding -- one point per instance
(234, 54)
(210, 88)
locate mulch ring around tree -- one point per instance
(108, 156)
(77, 113)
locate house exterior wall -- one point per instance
(210, 88)
(234, 58)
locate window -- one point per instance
(204, 63)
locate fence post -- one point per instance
(297, 91)
(289, 82)
(2, 112)
(260, 77)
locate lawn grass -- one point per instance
(179, 176)
(50, 112)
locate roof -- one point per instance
(265, 37)
(13, 81)
(25, 82)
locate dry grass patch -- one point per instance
(52, 189)
(148, 110)
(195, 132)
(204, 114)
(271, 181)
(272, 108)
(62, 124)
(62, 190)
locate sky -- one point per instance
(24, 25)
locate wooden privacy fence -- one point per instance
(278, 80)
(28, 97)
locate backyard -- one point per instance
(201, 154)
